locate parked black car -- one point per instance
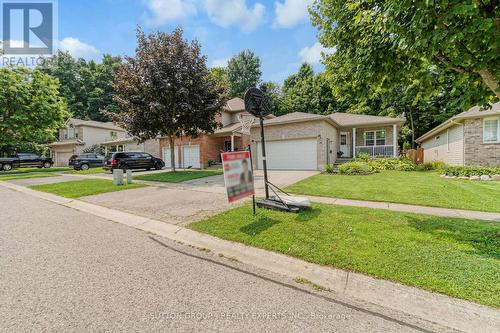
(86, 161)
(133, 161)
(25, 160)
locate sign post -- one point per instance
(238, 175)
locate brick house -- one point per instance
(202, 151)
(469, 138)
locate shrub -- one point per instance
(356, 168)
(398, 164)
(329, 168)
(363, 157)
(467, 171)
(436, 165)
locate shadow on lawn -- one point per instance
(259, 225)
(308, 214)
(483, 236)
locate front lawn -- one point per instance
(178, 176)
(34, 170)
(81, 188)
(457, 257)
(416, 188)
(25, 176)
(91, 171)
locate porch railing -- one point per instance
(376, 150)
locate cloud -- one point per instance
(164, 11)
(291, 13)
(222, 62)
(312, 54)
(77, 48)
(226, 13)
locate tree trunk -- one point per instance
(412, 129)
(490, 80)
(171, 140)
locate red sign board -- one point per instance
(238, 175)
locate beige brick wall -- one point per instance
(475, 151)
(304, 130)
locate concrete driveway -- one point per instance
(188, 202)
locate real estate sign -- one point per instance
(238, 175)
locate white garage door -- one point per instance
(290, 155)
(191, 157)
(166, 157)
(62, 158)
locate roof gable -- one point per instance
(92, 123)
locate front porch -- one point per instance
(381, 141)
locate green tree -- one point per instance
(221, 76)
(167, 89)
(86, 85)
(383, 44)
(244, 71)
(308, 92)
(31, 108)
(273, 92)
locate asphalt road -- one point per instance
(64, 270)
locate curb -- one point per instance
(437, 308)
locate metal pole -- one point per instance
(253, 175)
(264, 162)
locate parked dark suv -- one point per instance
(133, 161)
(25, 160)
(86, 161)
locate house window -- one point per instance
(113, 135)
(491, 130)
(375, 138)
(448, 140)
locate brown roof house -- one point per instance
(304, 141)
(81, 134)
(205, 150)
(469, 138)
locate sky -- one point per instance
(278, 31)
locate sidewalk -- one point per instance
(436, 308)
(396, 207)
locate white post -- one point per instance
(232, 142)
(395, 140)
(354, 142)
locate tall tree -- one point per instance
(273, 93)
(31, 108)
(167, 89)
(86, 85)
(382, 43)
(244, 72)
(221, 76)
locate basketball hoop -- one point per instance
(246, 122)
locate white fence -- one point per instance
(376, 150)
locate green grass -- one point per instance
(81, 188)
(457, 257)
(34, 170)
(416, 188)
(91, 171)
(178, 176)
(26, 176)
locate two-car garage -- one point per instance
(299, 154)
(189, 157)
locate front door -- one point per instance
(344, 144)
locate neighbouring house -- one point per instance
(304, 141)
(129, 143)
(205, 150)
(469, 138)
(81, 134)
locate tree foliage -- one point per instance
(31, 108)
(384, 44)
(244, 71)
(86, 85)
(167, 89)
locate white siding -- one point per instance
(447, 146)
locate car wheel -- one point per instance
(7, 167)
(84, 167)
(158, 166)
(47, 165)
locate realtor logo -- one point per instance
(28, 27)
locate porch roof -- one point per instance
(353, 120)
(67, 143)
(230, 129)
